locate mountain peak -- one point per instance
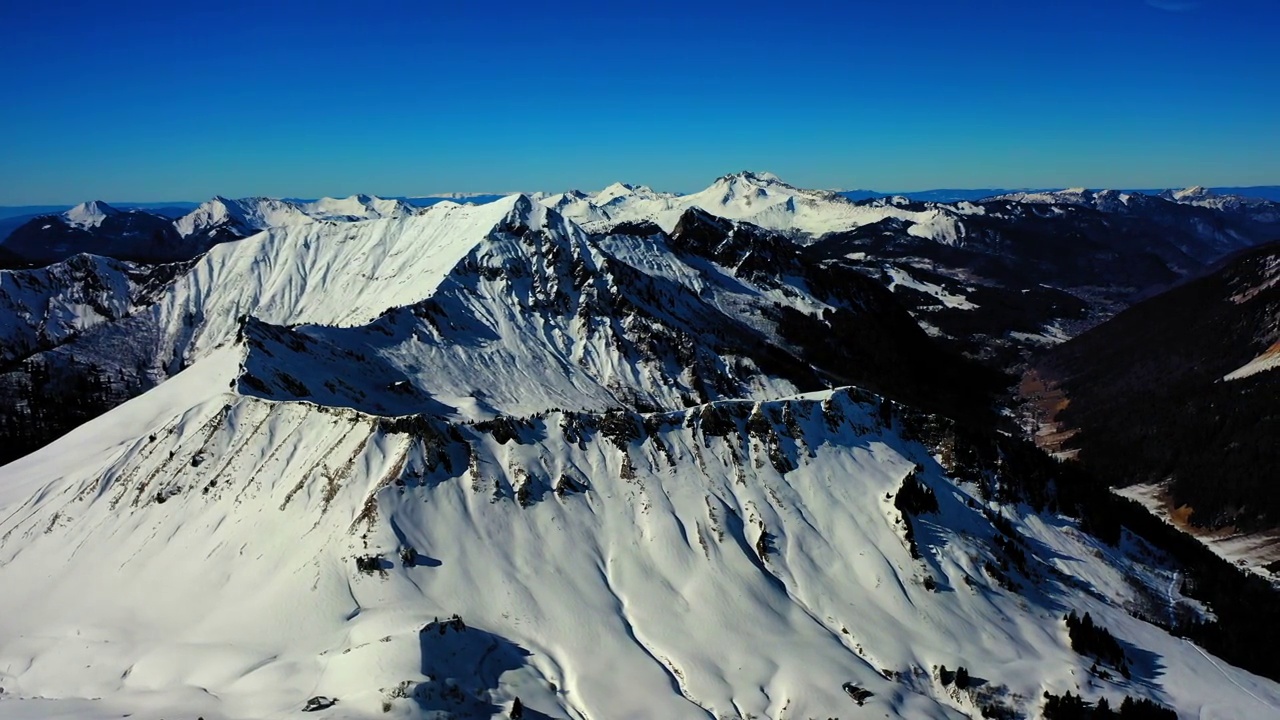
(747, 187)
(613, 192)
(753, 177)
(1194, 192)
(89, 214)
(524, 214)
(216, 204)
(625, 190)
(696, 217)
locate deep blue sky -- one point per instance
(167, 101)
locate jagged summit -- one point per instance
(749, 176)
(745, 186)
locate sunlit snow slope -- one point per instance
(196, 549)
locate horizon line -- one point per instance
(461, 195)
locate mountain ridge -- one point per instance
(412, 485)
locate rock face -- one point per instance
(318, 703)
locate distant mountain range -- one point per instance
(1260, 192)
(946, 195)
(996, 277)
(14, 216)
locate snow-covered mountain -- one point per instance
(358, 207)
(1100, 199)
(89, 215)
(703, 330)
(1259, 210)
(996, 280)
(146, 236)
(999, 277)
(95, 227)
(240, 217)
(430, 464)
(765, 200)
(1196, 195)
(1237, 222)
(45, 307)
(248, 215)
(760, 198)
(312, 272)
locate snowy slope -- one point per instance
(444, 297)
(643, 321)
(44, 307)
(603, 565)
(317, 272)
(321, 273)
